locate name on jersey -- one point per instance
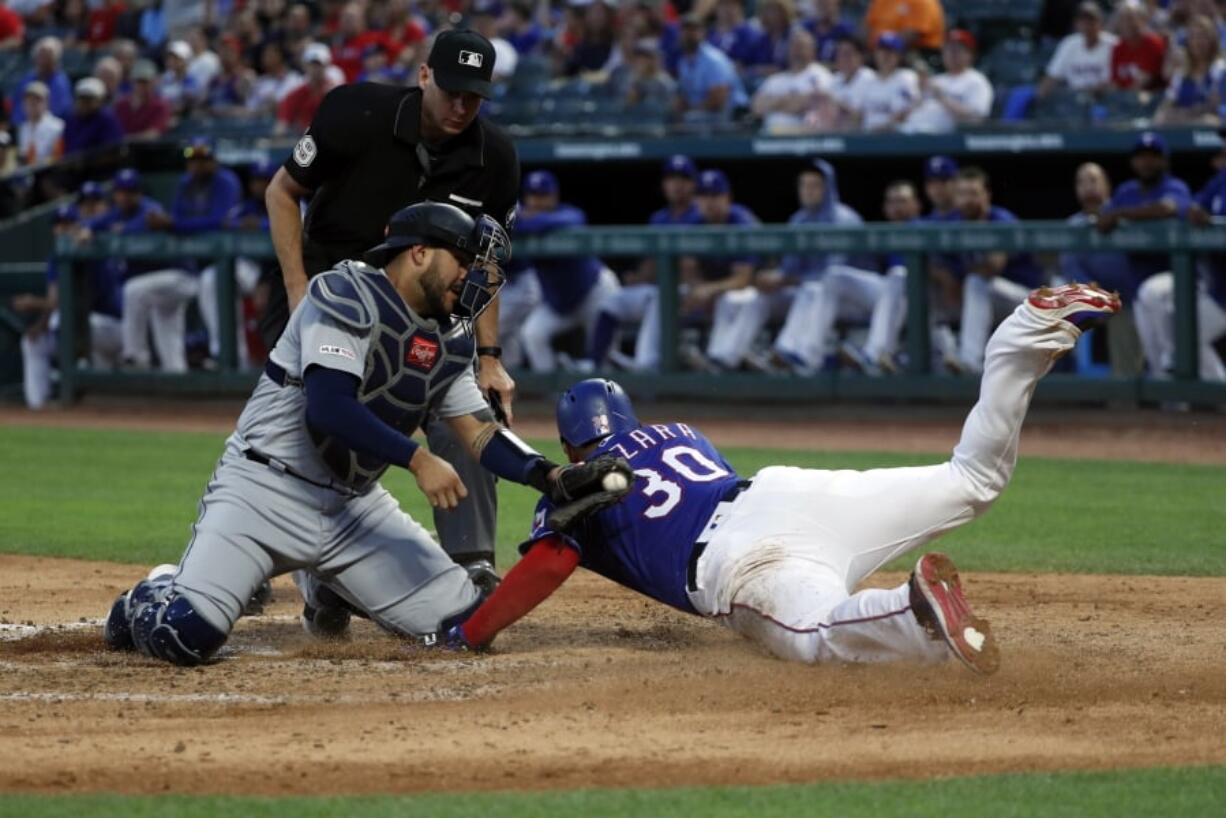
(647, 437)
(329, 349)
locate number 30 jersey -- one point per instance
(645, 541)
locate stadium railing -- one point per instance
(665, 245)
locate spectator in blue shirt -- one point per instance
(742, 40)
(524, 33)
(708, 84)
(993, 284)
(46, 70)
(638, 298)
(572, 287)
(92, 125)
(829, 25)
(156, 292)
(1154, 195)
(1110, 269)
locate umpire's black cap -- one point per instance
(462, 60)
(433, 224)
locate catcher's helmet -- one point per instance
(480, 243)
(592, 410)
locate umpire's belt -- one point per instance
(278, 466)
(277, 374)
(708, 531)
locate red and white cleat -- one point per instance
(1081, 305)
(939, 605)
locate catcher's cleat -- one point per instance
(939, 606)
(261, 597)
(1082, 305)
(329, 618)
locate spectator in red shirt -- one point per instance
(142, 112)
(404, 29)
(352, 39)
(12, 29)
(296, 111)
(100, 25)
(1137, 59)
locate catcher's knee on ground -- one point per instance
(159, 622)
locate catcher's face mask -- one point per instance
(486, 252)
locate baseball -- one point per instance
(615, 481)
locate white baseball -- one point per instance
(165, 570)
(614, 481)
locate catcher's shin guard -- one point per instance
(172, 630)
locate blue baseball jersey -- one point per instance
(1213, 265)
(664, 217)
(567, 280)
(1133, 194)
(645, 542)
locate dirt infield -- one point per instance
(602, 688)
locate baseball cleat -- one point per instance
(1082, 305)
(939, 605)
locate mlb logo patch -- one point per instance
(472, 59)
(422, 353)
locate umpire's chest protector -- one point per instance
(410, 360)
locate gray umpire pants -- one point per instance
(469, 531)
(257, 522)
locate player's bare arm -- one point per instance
(285, 227)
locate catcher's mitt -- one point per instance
(582, 489)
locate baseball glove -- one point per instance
(581, 490)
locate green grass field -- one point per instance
(1170, 793)
(131, 497)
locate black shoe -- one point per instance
(482, 574)
(261, 597)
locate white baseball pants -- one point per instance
(544, 324)
(982, 300)
(516, 301)
(739, 316)
(842, 292)
(37, 354)
(639, 303)
(781, 566)
(1154, 313)
(158, 301)
(246, 277)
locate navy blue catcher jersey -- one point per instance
(645, 541)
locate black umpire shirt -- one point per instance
(364, 158)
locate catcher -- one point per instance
(777, 557)
(373, 348)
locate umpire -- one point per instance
(371, 150)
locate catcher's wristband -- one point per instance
(489, 352)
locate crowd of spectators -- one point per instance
(787, 66)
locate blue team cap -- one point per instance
(93, 190)
(200, 147)
(126, 179)
(542, 182)
(940, 167)
(65, 213)
(680, 165)
(713, 183)
(1150, 142)
(891, 42)
(263, 169)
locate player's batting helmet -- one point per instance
(592, 410)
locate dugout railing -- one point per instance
(665, 245)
